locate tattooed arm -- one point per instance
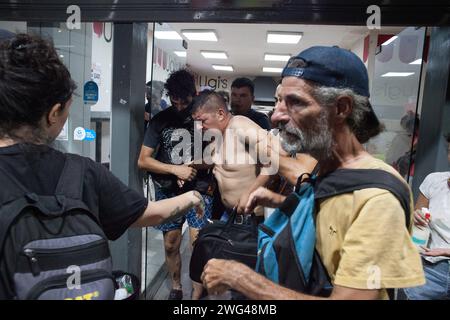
(166, 210)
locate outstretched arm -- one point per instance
(166, 210)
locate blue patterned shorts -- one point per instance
(191, 216)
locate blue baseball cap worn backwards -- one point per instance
(332, 67)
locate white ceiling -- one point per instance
(246, 44)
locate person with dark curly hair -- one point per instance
(171, 175)
(36, 92)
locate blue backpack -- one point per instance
(287, 239)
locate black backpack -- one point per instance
(52, 247)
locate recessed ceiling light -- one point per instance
(167, 35)
(200, 35)
(398, 74)
(181, 54)
(222, 68)
(418, 61)
(275, 70)
(389, 41)
(284, 37)
(214, 54)
(61, 56)
(276, 57)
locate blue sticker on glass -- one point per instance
(90, 92)
(90, 135)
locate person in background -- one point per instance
(155, 103)
(242, 97)
(402, 141)
(405, 164)
(434, 195)
(172, 177)
(148, 105)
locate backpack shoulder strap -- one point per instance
(70, 183)
(12, 188)
(8, 214)
(348, 180)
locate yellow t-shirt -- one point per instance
(363, 240)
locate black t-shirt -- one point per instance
(38, 168)
(259, 118)
(161, 136)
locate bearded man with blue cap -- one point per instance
(363, 236)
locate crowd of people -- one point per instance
(321, 120)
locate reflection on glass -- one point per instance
(394, 97)
(166, 53)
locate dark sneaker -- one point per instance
(176, 294)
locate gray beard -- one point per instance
(317, 142)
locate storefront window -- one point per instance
(395, 97)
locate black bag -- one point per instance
(225, 240)
(52, 247)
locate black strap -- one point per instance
(8, 213)
(343, 181)
(310, 177)
(70, 183)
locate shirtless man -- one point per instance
(239, 167)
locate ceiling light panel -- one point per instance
(222, 68)
(167, 35)
(272, 70)
(398, 74)
(214, 54)
(200, 35)
(284, 37)
(389, 41)
(276, 57)
(181, 54)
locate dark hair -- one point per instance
(209, 99)
(225, 95)
(447, 137)
(32, 80)
(180, 85)
(244, 82)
